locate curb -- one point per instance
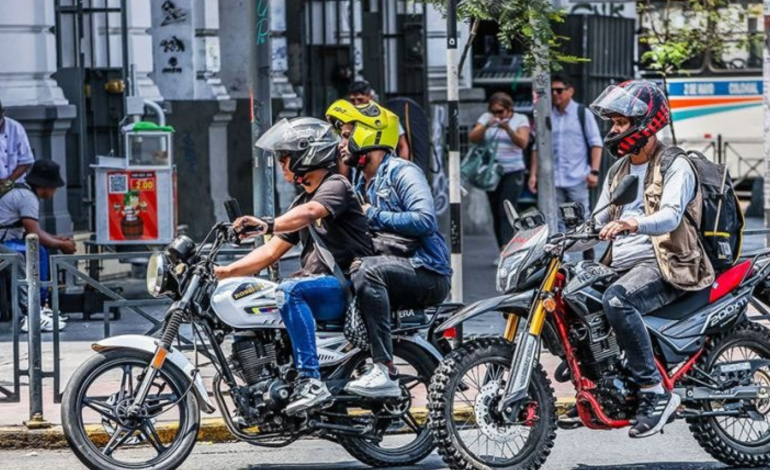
(212, 430)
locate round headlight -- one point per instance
(157, 275)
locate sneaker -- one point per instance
(654, 411)
(570, 419)
(49, 312)
(46, 324)
(375, 383)
(308, 393)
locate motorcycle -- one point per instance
(492, 404)
(147, 394)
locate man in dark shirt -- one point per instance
(307, 150)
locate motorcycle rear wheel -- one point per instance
(464, 394)
(717, 435)
(130, 442)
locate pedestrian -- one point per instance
(15, 153)
(577, 149)
(510, 131)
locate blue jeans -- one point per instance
(302, 301)
(20, 246)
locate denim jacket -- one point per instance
(402, 203)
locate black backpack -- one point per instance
(722, 222)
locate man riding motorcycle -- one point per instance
(306, 149)
(661, 256)
(397, 200)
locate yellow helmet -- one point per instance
(375, 127)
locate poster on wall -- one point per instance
(133, 205)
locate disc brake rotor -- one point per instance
(493, 428)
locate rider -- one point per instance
(398, 200)
(661, 255)
(306, 149)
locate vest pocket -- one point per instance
(684, 268)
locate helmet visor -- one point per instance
(292, 136)
(617, 100)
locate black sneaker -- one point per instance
(308, 393)
(570, 419)
(654, 411)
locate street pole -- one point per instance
(261, 112)
(35, 368)
(766, 104)
(455, 203)
(546, 189)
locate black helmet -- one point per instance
(310, 143)
(641, 101)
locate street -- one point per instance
(580, 449)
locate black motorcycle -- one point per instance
(147, 394)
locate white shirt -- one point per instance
(509, 155)
(14, 149)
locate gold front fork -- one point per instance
(511, 326)
(537, 320)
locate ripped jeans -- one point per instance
(639, 291)
(301, 301)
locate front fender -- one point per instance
(149, 345)
(518, 303)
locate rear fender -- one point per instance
(518, 304)
(149, 345)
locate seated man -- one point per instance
(307, 151)
(398, 200)
(19, 214)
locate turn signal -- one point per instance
(450, 333)
(549, 305)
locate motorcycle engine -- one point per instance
(596, 346)
(256, 359)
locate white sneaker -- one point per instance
(308, 393)
(46, 323)
(375, 383)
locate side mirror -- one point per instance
(625, 192)
(510, 213)
(233, 209)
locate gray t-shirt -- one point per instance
(18, 204)
(678, 191)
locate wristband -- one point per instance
(270, 225)
(595, 172)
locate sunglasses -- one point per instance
(497, 112)
(558, 91)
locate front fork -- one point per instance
(527, 348)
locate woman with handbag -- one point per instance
(499, 135)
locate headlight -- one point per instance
(508, 272)
(158, 274)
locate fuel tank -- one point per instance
(247, 302)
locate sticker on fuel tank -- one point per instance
(247, 289)
(260, 310)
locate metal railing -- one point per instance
(11, 264)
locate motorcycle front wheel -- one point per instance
(469, 432)
(100, 431)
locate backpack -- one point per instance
(722, 222)
(582, 120)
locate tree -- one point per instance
(679, 33)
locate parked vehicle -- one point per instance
(136, 385)
(492, 405)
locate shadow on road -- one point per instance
(426, 465)
(659, 466)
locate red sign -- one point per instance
(133, 201)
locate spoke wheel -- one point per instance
(401, 424)
(158, 435)
(742, 440)
(470, 432)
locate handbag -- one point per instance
(480, 168)
(393, 244)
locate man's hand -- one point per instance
(616, 227)
(67, 246)
(533, 183)
(593, 181)
(247, 225)
(222, 272)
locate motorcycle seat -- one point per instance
(399, 319)
(691, 302)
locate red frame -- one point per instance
(587, 405)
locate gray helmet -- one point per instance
(309, 142)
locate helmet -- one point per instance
(641, 101)
(375, 127)
(310, 144)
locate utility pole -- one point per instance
(766, 104)
(455, 203)
(263, 168)
(546, 188)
